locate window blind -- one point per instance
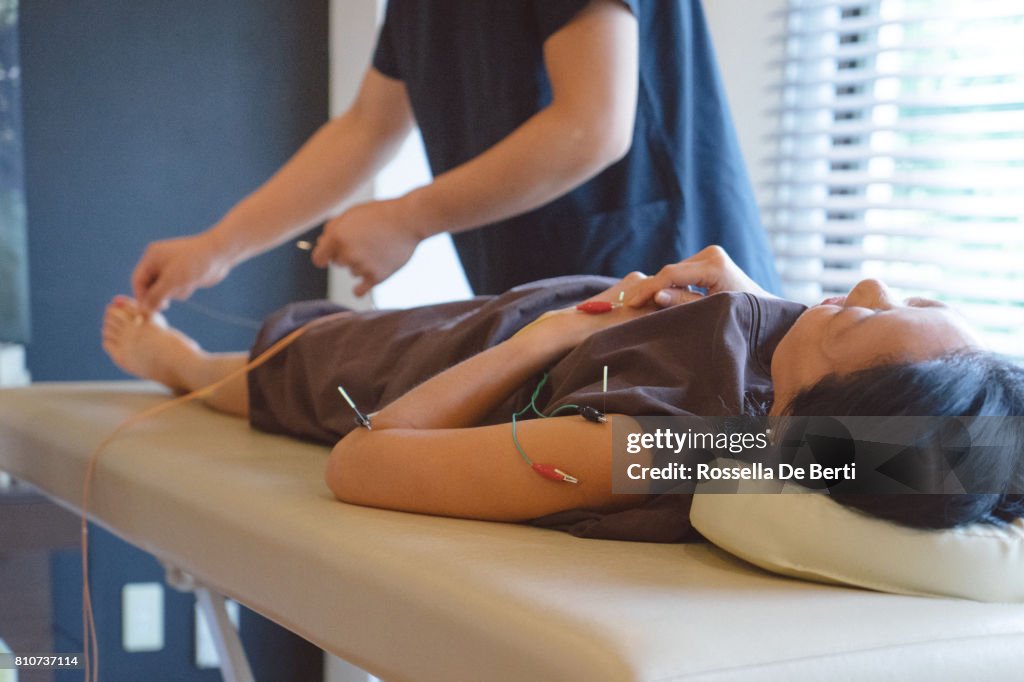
(900, 154)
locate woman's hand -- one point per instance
(174, 268)
(711, 269)
(569, 327)
(372, 240)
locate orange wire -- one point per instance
(90, 645)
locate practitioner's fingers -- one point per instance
(155, 297)
(154, 286)
(160, 275)
(329, 249)
(159, 295)
(323, 251)
(372, 240)
(363, 287)
(142, 278)
(175, 268)
(145, 275)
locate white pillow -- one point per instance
(810, 536)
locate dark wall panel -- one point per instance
(143, 120)
(149, 119)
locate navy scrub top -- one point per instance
(474, 71)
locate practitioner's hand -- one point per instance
(710, 268)
(372, 240)
(174, 268)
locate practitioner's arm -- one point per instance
(592, 65)
(422, 456)
(344, 153)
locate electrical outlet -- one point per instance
(142, 617)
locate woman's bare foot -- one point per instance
(146, 347)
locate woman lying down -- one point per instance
(443, 382)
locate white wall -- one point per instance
(434, 273)
(353, 33)
(742, 31)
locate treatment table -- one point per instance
(246, 515)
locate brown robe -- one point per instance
(710, 357)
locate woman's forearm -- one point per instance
(462, 395)
(423, 456)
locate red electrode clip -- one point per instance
(550, 472)
(597, 307)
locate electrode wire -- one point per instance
(90, 643)
(532, 406)
(226, 318)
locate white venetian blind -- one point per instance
(901, 154)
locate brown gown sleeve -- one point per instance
(379, 355)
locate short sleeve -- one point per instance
(552, 15)
(384, 58)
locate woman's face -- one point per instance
(864, 328)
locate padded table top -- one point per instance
(411, 597)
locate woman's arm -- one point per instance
(462, 395)
(422, 456)
(477, 473)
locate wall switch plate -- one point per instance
(142, 617)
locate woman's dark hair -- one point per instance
(961, 384)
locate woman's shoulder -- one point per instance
(762, 310)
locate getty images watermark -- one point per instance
(873, 455)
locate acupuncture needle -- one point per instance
(361, 418)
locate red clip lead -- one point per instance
(597, 307)
(550, 472)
